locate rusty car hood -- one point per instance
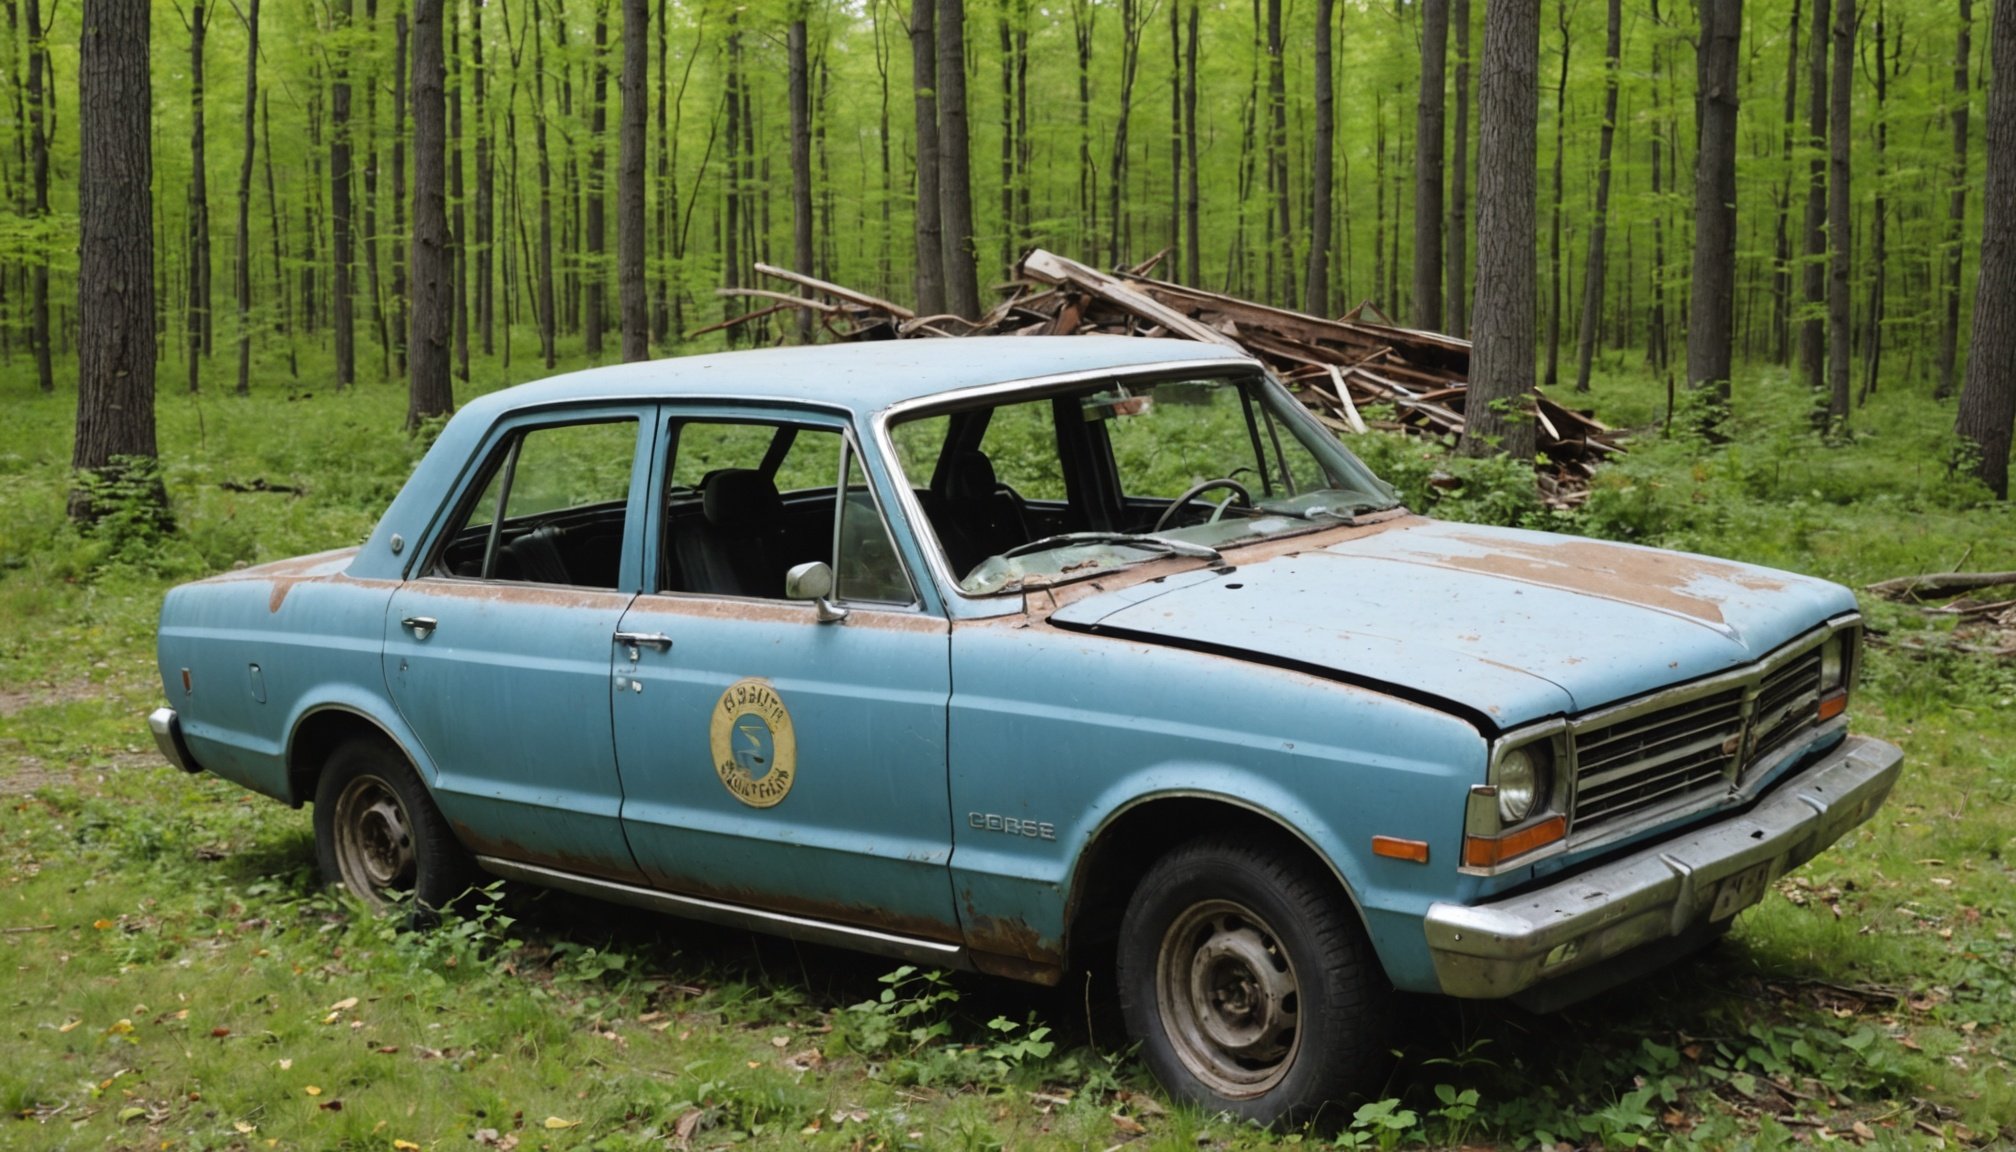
(1505, 625)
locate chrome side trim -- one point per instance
(910, 948)
(167, 729)
(1660, 892)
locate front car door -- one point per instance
(771, 758)
(498, 648)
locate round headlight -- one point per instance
(1830, 662)
(1521, 780)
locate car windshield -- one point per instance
(1042, 487)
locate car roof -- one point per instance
(864, 377)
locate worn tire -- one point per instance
(1248, 981)
(378, 833)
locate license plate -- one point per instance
(1740, 891)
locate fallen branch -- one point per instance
(1938, 585)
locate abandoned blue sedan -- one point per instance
(1019, 654)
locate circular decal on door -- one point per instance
(755, 749)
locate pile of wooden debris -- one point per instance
(1981, 606)
(1413, 381)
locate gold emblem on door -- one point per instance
(755, 749)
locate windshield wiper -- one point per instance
(1146, 541)
(1348, 514)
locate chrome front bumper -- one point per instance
(1671, 889)
(168, 737)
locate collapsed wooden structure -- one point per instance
(1353, 373)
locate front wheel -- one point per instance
(1249, 983)
(378, 834)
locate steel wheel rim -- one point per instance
(1229, 999)
(374, 840)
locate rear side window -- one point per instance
(552, 509)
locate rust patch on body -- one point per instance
(1645, 577)
(1004, 946)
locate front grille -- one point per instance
(1649, 760)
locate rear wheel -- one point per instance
(378, 834)
(1249, 983)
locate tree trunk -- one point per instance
(458, 221)
(1501, 361)
(41, 111)
(1456, 272)
(399, 305)
(1988, 398)
(284, 315)
(1872, 344)
(634, 83)
(955, 179)
(1428, 139)
(930, 230)
(1175, 240)
(1813, 273)
(1781, 273)
(430, 392)
(1554, 227)
(1281, 244)
(115, 261)
(486, 222)
(801, 164)
(1084, 21)
(242, 280)
(544, 288)
(1839, 230)
(1004, 36)
(1193, 242)
(1956, 209)
(1316, 285)
(372, 237)
(196, 308)
(342, 302)
(1599, 228)
(595, 280)
(1131, 20)
(1712, 313)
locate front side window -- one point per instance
(551, 509)
(747, 501)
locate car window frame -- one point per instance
(722, 411)
(477, 472)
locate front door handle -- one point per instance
(422, 626)
(636, 640)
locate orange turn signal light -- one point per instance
(1834, 704)
(1394, 848)
(1491, 851)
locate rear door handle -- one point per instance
(422, 626)
(636, 640)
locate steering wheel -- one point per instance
(1239, 493)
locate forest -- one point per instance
(252, 254)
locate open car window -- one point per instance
(551, 509)
(1110, 473)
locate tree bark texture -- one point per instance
(242, 277)
(594, 273)
(1956, 209)
(630, 285)
(342, 302)
(1599, 226)
(1428, 136)
(955, 173)
(544, 289)
(929, 225)
(1839, 228)
(1988, 398)
(1813, 272)
(1501, 360)
(1316, 285)
(801, 165)
(40, 112)
(196, 333)
(1553, 372)
(431, 274)
(115, 253)
(1455, 246)
(1712, 312)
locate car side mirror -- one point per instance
(813, 580)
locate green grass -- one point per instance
(170, 972)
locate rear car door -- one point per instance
(769, 758)
(498, 648)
